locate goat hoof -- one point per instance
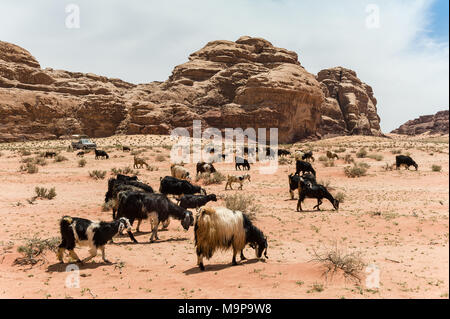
(107, 261)
(202, 267)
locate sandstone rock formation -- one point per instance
(247, 83)
(349, 106)
(431, 124)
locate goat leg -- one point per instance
(242, 255)
(102, 248)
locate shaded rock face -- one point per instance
(350, 106)
(432, 124)
(244, 84)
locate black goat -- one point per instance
(139, 206)
(80, 154)
(100, 153)
(125, 149)
(302, 166)
(175, 186)
(308, 190)
(203, 167)
(295, 179)
(82, 231)
(196, 201)
(49, 154)
(282, 152)
(405, 160)
(308, 155)
(241, 162)
(123, 183)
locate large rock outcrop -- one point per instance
(247, 83)
(349, 107)
(431, 124)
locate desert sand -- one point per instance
(396, 220)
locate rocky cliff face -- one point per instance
(349, 107)
(247, 83)
(432, 124)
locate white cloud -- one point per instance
(141, 41)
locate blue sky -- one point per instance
(439, 26)
(405, 58)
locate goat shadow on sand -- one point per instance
(147, 241)
(217, 267)
(59, 267)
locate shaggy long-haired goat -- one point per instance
(221, 228)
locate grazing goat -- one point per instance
(179, 172)
(236, 179)
(405, 160)
(79, 231)
(100, 153)
(196, 201)
(295, 179)
(309, 190)
(49, 154)
(80, 154)
(203, 167)
(126, 149)
(241, 162)
(282, 152)
(139, 206)
(332, 155)
(139, 163)
(221, 228)
(123, 183)
(308, 156)
(175, 186)
(301, 166)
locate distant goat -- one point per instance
(81, 232)
(303, 167)
(241, 162)
(175, 186)
(139, 163)
(126, 149)
(100, 153)
(179, 171)
(221, 228)
(405, 160)
(295, 179)
(49, 154)
(308, 156)
(332, 155)
(80, 154)
(236, 179)
(203, 167)
(308, 190)
(196, 201)
(282, 152)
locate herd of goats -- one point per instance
(214, 227)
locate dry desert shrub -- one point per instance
(376, 157)
(30, 168)
(42, 192)
(96, 174)
(340, 196)
(284, 161)
(124, 171)
(348, 159)
(361, 153)
(82, 162)
(335, 258)
(214, 178)
(160, 158)
(357, 170)
(436, 168)
(60, 158)
(243, 203)
(33, 250)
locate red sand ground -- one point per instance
(397, 220)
